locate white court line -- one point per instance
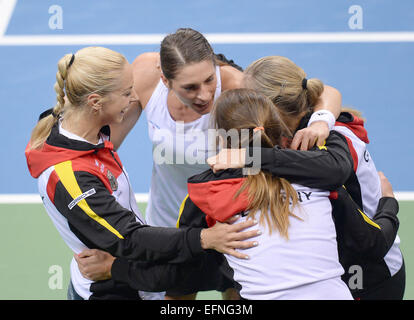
(22, 198)
(6, 11)
(214, 38)
(141, 197)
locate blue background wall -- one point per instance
(376, 78)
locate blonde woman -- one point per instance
(83, 184)
(177, 88)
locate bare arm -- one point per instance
(330, 99)
(146, 72)
(231, 78)
(119, 131)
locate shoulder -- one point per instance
(231, 78)
(147, 71)
(209, 175)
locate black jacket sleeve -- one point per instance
(360, 236)
(200, 274)
(100, 222)
(326, 167)
(191, 216)
(150, 276)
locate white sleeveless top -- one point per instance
(179, 150)
(304, 267)
(371, 193)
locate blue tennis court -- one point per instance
(367, 57)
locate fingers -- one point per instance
(304, 144)
(307, 138)
(297, 139)
(237, 254)
(87, 253)
(233, 219)
(219, 166)
(320, 141)
(227, 158)
(243, 225)
(212, 161)
(214, 164)
(240, 245)
(244, 244)
(240, 236)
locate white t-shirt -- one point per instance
(180, 151)
(306, 266)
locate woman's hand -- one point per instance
(227, 158)
(386, 186)
(226, 237)
(95, 264)
(306, 138)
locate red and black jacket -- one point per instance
(85, 185)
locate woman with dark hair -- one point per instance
(177, 88)
(84, 186)
(297, 254)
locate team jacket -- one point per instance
(328, 167)
(87, 194)
(361, 241)
(362, 183)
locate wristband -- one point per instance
(323, 115)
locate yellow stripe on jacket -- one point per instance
(67, 177)
(181, 210)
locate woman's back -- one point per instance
(305, 266)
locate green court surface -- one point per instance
(35, 260)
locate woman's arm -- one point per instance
(326, 111)
(331, 100)
(147, 74)
(119, 131)
(148, 276)
(231, 78)
(97, 265)
(99, 221)
(326, 167)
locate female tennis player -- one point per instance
(83, 184)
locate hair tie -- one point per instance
(304, 83)
(258, 128)
(48, 112)
(71, 60)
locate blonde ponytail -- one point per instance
(282, 81)
(240, 109)
(314, 90)
(90, 70)
(275, 198)
(43, 128)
